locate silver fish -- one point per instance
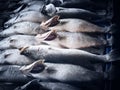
(57, 55)
(32, 16)
(71, 25)
(17, 41)
(29, 28)
(13, 56)
(64, 13)
(71, 40)
(49, 72)
(48, 85)
(33, 6)
(61, 72)
(11, 73)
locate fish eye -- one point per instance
(15, 27)
(12, 40)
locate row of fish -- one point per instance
(56, 42)
(55, 32)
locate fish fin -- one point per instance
(114, 55)
(51, 22)
(26, 69)
(47, 36)
(22, 49)
(111, 29)
(110, 41)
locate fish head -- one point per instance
(7, 43)
(7, 56)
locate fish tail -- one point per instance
(110, 41)
(114, 55)
(111, 29)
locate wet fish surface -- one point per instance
(70, 73)
(64, 13)
(13, 57)
(71, 25)
(28, 28)
(71, 40)
(17, 41)
(71, 56)
(47, 86)
(32, 16)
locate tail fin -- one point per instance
(111, 29)
(110, 41)
(114, 55)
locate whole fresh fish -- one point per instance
(58, 39)
(71, 25)
(78, 13)
(58, 55)
(65, 73)
(71, 40)
(49, 72)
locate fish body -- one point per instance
(32, 16)
(17, 41)
(28, 28)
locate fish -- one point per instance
(32, 16)
(84, 4)
(71, 25)
(64, 73)
(11, 73)
(70, 56)
(13, 57)
(71, 40)
(23, 28)
(78, 13)
(66, 40)
(32, 5)
(47, 86)
(17, 41)
(51, 72)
